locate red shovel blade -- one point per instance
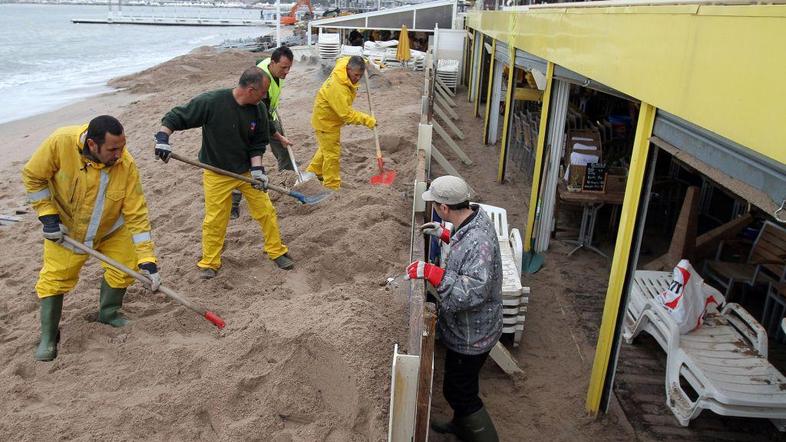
(385, 177)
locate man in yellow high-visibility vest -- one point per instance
(277, 68)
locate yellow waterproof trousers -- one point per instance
(218, 204)
(325, 163)
(60, 272)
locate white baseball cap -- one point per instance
(447, 189)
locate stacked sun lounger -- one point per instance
(448, 71)
(329, 47)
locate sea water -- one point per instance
(47, 62)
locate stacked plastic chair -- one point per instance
(418, 60)
(329, 47)
(347, 50)
(447, 71)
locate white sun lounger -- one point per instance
(724, 361)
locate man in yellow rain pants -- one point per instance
(83, 182)
(235, 133)
(333, 109)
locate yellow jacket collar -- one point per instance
(340, 73)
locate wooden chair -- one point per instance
(766, 262)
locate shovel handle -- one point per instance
(210, 316)
(236, 176)
(376, 135)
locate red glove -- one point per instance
(424, 270)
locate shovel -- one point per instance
(301, 177)
(304, 199)
(207, 314)
(385, 177)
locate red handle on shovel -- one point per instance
(210, 316)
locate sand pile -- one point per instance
(305, 354)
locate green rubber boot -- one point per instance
(51, 310)
(443, 426)
(477, 427)
(109, 302)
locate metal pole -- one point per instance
(278, 22)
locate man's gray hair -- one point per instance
(357, 62)
(252, 76)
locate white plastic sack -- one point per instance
(688, 297)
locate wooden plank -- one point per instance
(707, 243)
(683, 240)
(442, 83)
(16, 219)
(441, 114)
(452, 144)
(403, 396)
(415, 315)
(445, 164)
(425, 374)
(446, 106)
(444, 95)
(504, 360)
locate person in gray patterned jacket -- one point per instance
(469, 289)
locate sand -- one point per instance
(305, 355)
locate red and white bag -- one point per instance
(688, 297)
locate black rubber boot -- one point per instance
(477, 427)
(51, 310)
(443, 426)
(109, 302)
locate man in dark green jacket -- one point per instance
(235, 133)
(277, 68)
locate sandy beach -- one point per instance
(305, 354)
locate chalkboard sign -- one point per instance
(595, 178)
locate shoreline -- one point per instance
(19, 138)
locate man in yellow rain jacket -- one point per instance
(333, 109)
(83, 182)
(235, 133)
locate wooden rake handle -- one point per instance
(210, 316)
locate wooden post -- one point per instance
(425, 374)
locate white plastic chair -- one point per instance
(724, 361)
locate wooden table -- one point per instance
(591, 202)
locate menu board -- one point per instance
(595, 178)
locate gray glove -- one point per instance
(163, 149)
(53, 230)
(258, 174)
(150, 269)
(437, 230)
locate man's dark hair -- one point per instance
(252, 77)
(99, 126)
(282, 51)
(459, 206)
(356, 62)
